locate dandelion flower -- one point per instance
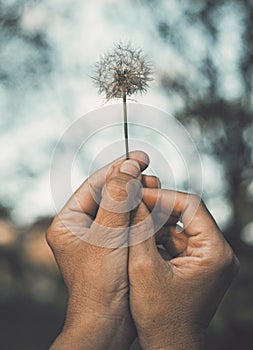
(122, 72)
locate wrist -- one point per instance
(174, 346)
(94, 336)
(177, 340)
(89, 329)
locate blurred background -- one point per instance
(202, 53)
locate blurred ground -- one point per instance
(203, 73)
(33, 297)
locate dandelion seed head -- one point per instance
(124, 71)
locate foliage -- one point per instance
(224, 120)
(212, 78)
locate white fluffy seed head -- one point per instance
(122, 71)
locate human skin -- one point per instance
(175, 292)
(98, 314)
(169, 295)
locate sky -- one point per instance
(39, 107)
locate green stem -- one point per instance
(125, 126)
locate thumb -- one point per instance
(142, 250)
(121, 194)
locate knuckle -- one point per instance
(232, 262)
(50, 236)
(116, 187)
(228, 257)
(120, 189)
(226, 260)
(53, 231)
(195, 199)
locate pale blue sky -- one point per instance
(37, 109)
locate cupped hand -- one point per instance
(175, 291)
(89, 239)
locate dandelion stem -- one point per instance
(125, 126)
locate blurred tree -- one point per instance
(4, 212)
(214, 38)
(16, 67)
(212, 76)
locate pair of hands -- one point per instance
(120, 282)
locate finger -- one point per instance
(90, 191)
(162, 220)
(160, 217)
(151, 181)
(120, 195)
(87, 197)
(189, 209)
(173, 239)
(205, 242)
(142, 247)
(92, 187)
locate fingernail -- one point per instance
(130, 167)
(141, 156)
